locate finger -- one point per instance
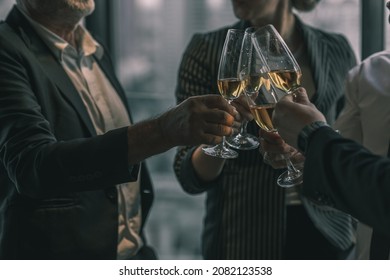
(300, 96)
(278, 164)
(236, 125)
(244, 113)
(214, 101)
(206, 138)
(297, 157)
(242, 107)
(217, 129)
(275, 162)
(211, 139)
(217, 117)
(270, 136)
(283, 107)
(238, 117)
(274, 148)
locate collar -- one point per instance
(86, 44)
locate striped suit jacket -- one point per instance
(245, 209)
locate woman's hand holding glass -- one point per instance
(274, 150)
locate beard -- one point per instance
(84, 7)
(72, 8)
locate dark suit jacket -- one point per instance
(57, 178)
(341, 173)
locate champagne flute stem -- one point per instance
(224, 144)
(224, 138)
(290, 166)
(292, 177)
(243, 127)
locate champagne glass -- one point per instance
(229, 85)
(284, 78)
(284, 69)
(243, 140)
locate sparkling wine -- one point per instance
(286, 80)
(253, 83)
(230, 88)
(263, 116)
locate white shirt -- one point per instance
(366, 115)
(107, 112)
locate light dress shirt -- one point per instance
(107, 112)
(365, 118)
(366, 115)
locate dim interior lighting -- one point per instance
(215, 4)
(149, 5)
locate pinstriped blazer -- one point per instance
(245, 209)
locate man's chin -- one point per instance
(241, 13)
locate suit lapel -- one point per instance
(50, 66)
(57, 75)
(318, 57)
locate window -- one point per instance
(387, 27)
(5, 6)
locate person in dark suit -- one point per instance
(73, 182)
(347, 175)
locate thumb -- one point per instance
(300, 96)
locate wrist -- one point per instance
(162, 128)
(306, 134)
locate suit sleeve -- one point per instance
(343, 174)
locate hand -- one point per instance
(241, 105)
(275, 150)
(292, 113)
(244, 114)
(198, 120)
